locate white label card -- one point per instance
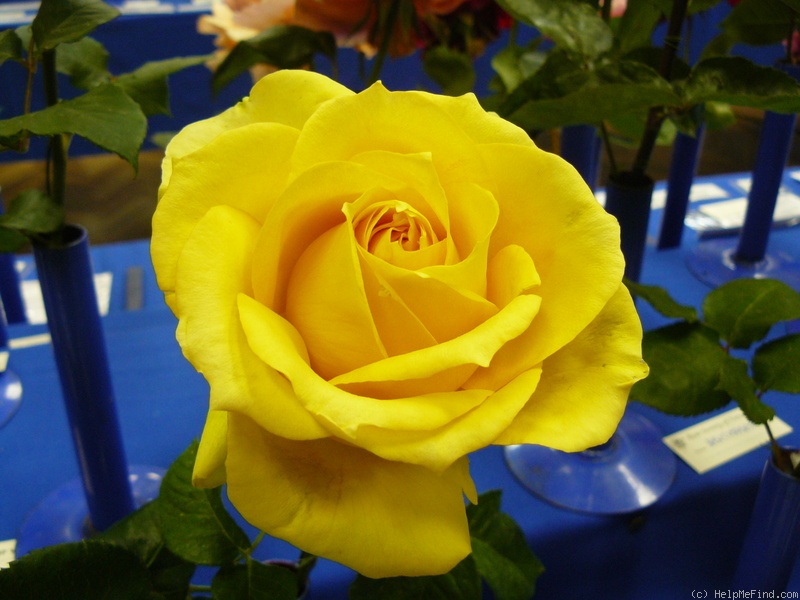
(7, 552)
(720, 439)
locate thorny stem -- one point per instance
(657, 114)
(57, 152)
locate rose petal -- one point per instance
(478, 346)
(278, 344)
(573, 242)
(333, 500)
(214, 267)
(399, 122)
(285, 97)
(511, 273)
(209, 465)
(309, 206)
(327, 304)
(219, 173)
(585, 385)
(474, 430)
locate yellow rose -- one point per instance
(374, 286)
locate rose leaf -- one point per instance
(462, 582)
(148, 84)
(501, 553)
(735, 381)
(744, 310)
(775, 365)
(105, 115)
(33, 211)
(61, 21)
(254, 581)
(661, 301)
(85, 62)
(685, 360)
(573, 25)
(736, 80)
(451, 70)
(94, 569)
(194, 521)
(10, 46)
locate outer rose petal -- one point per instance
(573, 242)
(286, 97)
(585, 385)
(209, 465)
(380, 518)
(218, 173)
(214, 268)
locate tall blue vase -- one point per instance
(628, 198)
(67, 282)
(771, 545)
(580, 146)
(10, 293)
(682, 171)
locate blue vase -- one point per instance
(580, 147)
(774, 144)
(628, 198)
(771, 545)
(67, 282)
(682, 171)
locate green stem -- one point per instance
(612, 161)
(388, 29)
(57, 151)
(656, 115)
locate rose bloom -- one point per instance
(374, 286)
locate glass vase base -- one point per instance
(628, 473)
(63, 516)
(10, 395)
(714, 263)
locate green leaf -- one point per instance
(33, 211)
(254, 581)
(500, 551)
(736, 80)
(61, 21)
(753, 22)
(735, 381)
(574, 26)
(89, 570)
(591, 104)
(744, 310)
(775, 365)
(85, 62)
(451, 70)
(462, 582)
(636, 25)
(194, 521)
(514, 63)
(685, 362)
(148, 85)
(793, 5)
(10, 46)
(10, 240)
(105, 115)
(661, 301)
(282, 46)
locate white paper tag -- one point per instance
(7, 552)
(720, 439)
(34, 305)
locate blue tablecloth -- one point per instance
(689, 540)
